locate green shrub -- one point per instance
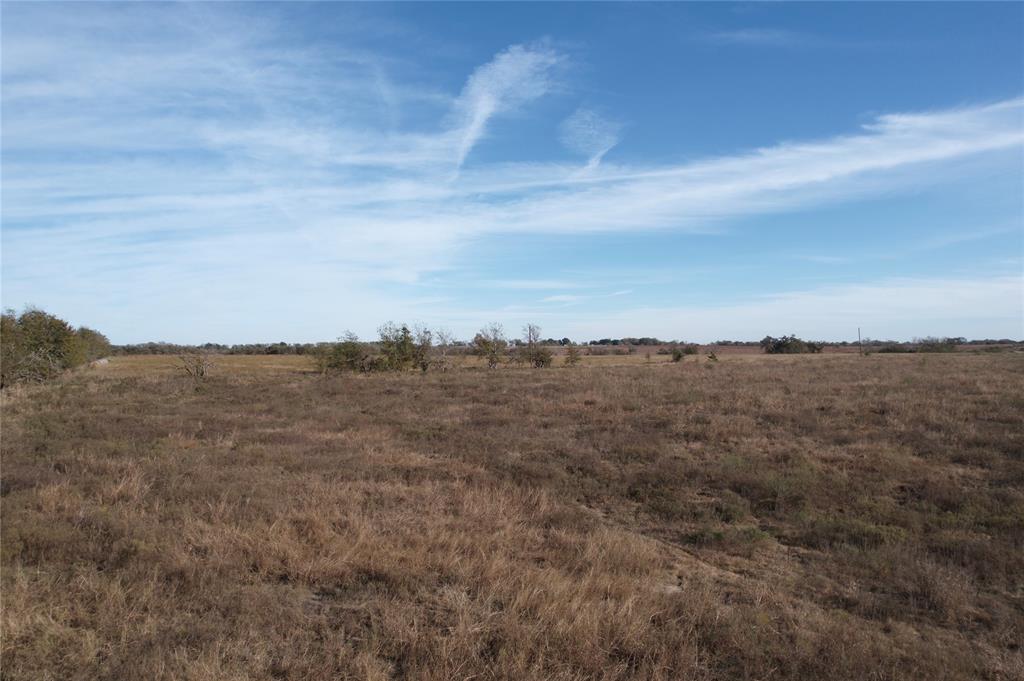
(348, 354)
(490, 343)
(789, 345)
(36, 346)
(931, 344)
(681, 351)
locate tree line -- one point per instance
(36, 345)
(401, 347)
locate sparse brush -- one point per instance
(806, 517)
(196, 366)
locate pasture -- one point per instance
(823, 516)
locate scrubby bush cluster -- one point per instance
(788, 345)
(680, 351)
(490, 344)
(532, 351)
(36, 346)
(929, 344)
(398, 348)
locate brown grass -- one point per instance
(810, 517)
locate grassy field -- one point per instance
(786, 517)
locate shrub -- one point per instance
(36, 346)
(681, 351)
(532, 351)
(444, 351)
(397, 347)
(490, 343)
(895, 349)
(93, 344)
(931, 344)
(196, 365)
(788, 345)
(348, 354)
(573, 356)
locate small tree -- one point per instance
(490, 343)
(573, 356)
(443, 357)
(532, 351)
(398, 349)
(423, 343)
(788, 345)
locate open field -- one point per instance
(787, 517)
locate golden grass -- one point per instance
(803, 517)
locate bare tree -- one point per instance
(443, 356)
(490, 343)
(533, 352)
(422, 348)
(531, 334)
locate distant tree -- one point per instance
(422, 348)
(788, 345)
(491, 344)
(532, 351)
(932, 344)
(348, 354)
(397, 347)
(681, 351)
(444, 349)
(573, 356)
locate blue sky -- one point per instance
(258, 172)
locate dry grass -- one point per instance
(818, 517)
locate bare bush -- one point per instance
(444, 355)
(490, 343)
(196, 365)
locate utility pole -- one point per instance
(860, 343)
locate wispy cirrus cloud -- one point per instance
(589, 133)
(761, 37)
(514, 77)
(149, 173)
(897, 309)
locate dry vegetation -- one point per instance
(809, 517)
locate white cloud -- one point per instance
(897, 309)
(214, 168)
(591, 134)
(761, 37)
(563, 298)
(515, 76)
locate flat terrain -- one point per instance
(801, 517)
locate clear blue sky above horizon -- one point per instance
(235, 172)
